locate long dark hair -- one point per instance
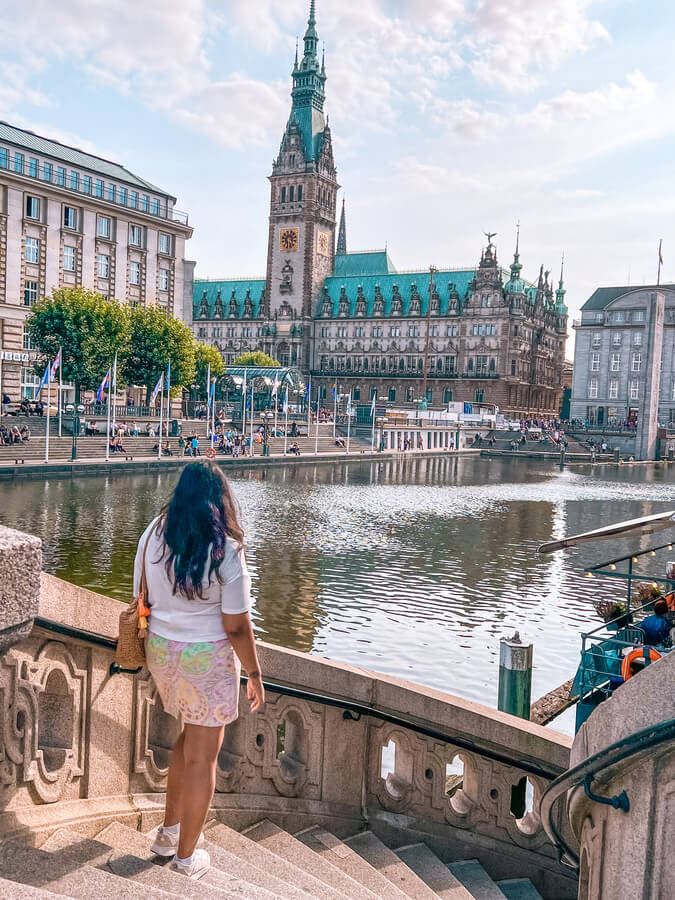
(202, 513)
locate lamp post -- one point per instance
(432, 272)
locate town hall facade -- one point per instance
(352, 320)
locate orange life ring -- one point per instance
(638, 653)
(210, 453)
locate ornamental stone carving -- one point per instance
(286, 286)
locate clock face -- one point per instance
(323, 243)
(288, 239)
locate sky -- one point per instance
(450, 118)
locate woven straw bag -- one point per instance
(133, 626)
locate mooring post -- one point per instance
(562, 458)
(515, 695)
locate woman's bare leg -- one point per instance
(174, 784)
(200, 752)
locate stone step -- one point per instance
(387, 863)
(519, 889)
(247, 872)
(134, 845)
(348, 860)
(12, 890)
(476, 880)
(278, 841)
(260, 856)
(57, 874)
(433, 872)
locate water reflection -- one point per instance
(413, 567)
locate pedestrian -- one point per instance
(194, 443)
(199, 638)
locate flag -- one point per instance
(349, 405)
(286, 402)
(243, 387)
(114, 376)
(158, 388)
(55, 365)
(307, 389)
(168, 377)
(660, 256)
(275, 386)
(105, 384)
(43, 383)
(372, 405)
(212, 392)
(334, 389)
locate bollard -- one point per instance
(617, 454)
(562, 458)
(515, 695)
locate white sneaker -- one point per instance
(166, 843)
(200, 865)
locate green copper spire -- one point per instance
(309, 79)
(560, 307)
(515, 284)
(342, 234)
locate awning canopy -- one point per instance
(290, 376)
(642, 526)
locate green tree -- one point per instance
(256, 358)
(89, 328)
(154, 339)
(205, 355)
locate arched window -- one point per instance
(283, 195)
(291, 194)
(299, 193)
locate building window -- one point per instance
(123, 196)
(164, 279)
(396, 331)
(29, 383)
(513, 367)
(111, 193)
(145, 203)
(636, 362)
(593, 388)
(476, 330)
(634, 390)
(33, 166)
(32, 207)
(359, 331)
(299, 193)
(596, 340)
(246, 332)
(27, 345)
(413, 331)
(74, 181)
(47, 172)
(69, 259)
(164, 243)
(86, 184)
(216, 332)
(613, 389)
(392, 395)
(435, 330)
(155, 206)
(60, 176)
(637, 340)
(447, 396)
(69, 217)
(595, 362)
(135, 235)
(342, 331)
(133, 199)
(32, 251)
(616, 362)
(452, 331)
(98, 189)
(377, 331)
(4, 158)
(18, 163)
(618, 317)
(134, 273)
(103, 265)
(283, 195)
(30, 293)
(639, 315)
(479, 396)
(325, 331)
(484, 301)
(104, 229)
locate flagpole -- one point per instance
(49, 384)
(113, 388)
(107, 428)
(213, 411)
(658, 275)
(161, 418)
(168, 398)
(208, 399)
(334, 407)
(243, 411)
(349, 418)
(372, 412)
(276, 405)
(251, 447)
(316, 432)
(286, 426)
(60, 387)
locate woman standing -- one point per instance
(199, 636)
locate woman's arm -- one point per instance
(240, 634)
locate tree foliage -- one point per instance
(88, 328)
(205, 355)
(154, 339)
(256, 358)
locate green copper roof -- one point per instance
(602, 297)
(254, 287)
(309, 80)
(34, 142)
(373, 262)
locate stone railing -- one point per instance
(628, 854)
(81, 748)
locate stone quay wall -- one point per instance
(81, 748)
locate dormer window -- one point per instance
(291, 160)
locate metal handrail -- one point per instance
(587, 771)
(352, 710)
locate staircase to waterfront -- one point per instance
(261, 863)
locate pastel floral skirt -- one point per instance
(198, 682)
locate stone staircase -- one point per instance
(262, 863)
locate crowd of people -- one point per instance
(14, 435)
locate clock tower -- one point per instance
(302, 208)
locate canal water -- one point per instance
(414, 568)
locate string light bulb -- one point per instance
(634, 559)
(612, 567)
(652, 552)
(589, 574)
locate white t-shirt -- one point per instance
(176, 618)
